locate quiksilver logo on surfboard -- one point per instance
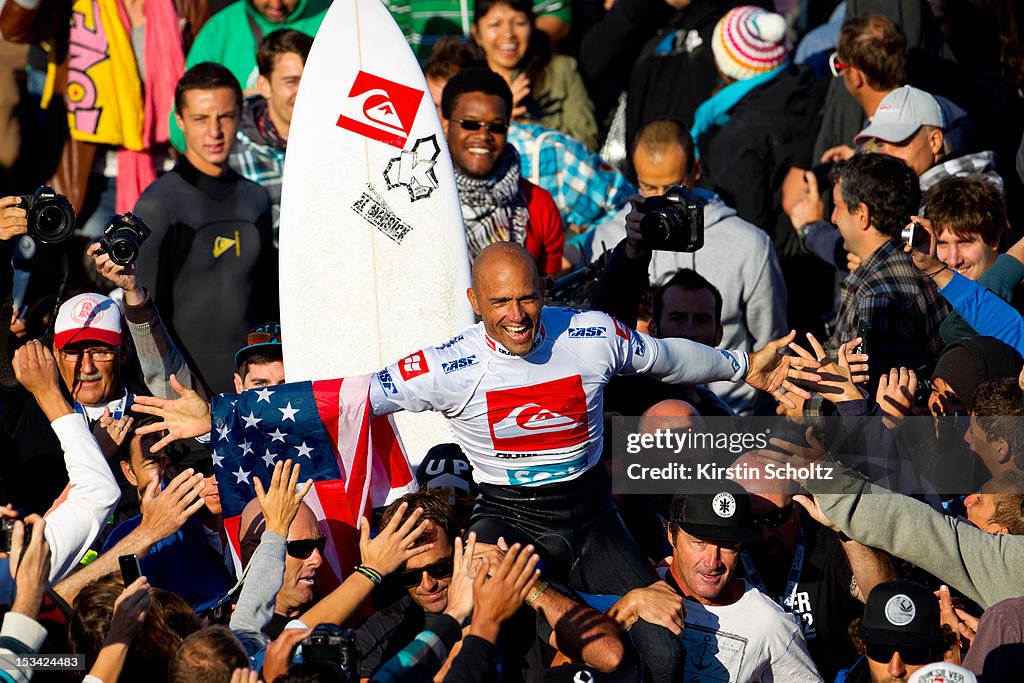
(380, 109)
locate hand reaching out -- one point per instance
(837, 382)
(496, 598)
(775, 373)
(895, 395)
(281, 502)
(130, 611)
(460, 588)
(392, 547)
(116, 429)
(164, 512)
(185, 417)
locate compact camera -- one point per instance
(916, 236)
(673, 221)
(7, 533)
(123, 237)
(51, 219)
(333, 644)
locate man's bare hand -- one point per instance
(13, 218)
(792, 454)
(779, 374)
(498, 596)
(36, 369)
(809, 207)
(895, 395)
(130, 611)
(33, 568)
(122, 276)
(656, 604)
(810, 504)
(279, 652)
(392, 547)
(164, 512)
(281, 502)
(837, 383)
(837, 153)
(116, 429)
(185, 417)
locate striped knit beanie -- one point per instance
(749, 41)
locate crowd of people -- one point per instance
(839, 188)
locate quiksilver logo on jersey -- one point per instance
(538, 417)
(222, 245)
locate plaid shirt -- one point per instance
(587, 190)
(261, 164)
(903, 308)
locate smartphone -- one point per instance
(863, 331)
(130, 569)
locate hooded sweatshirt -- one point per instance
(232, 35)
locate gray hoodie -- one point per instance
(739, 259)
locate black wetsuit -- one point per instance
(210, 264)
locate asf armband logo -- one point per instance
(539, 417)
(380, 109)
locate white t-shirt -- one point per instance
(538, 418)
(752, 639)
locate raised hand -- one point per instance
(185, 417)
(496, 598)
(116, 429)
(392, 547)
(130, 611)
(777, 374)
(32, 570)
(36, 369)
(122, 276)
(164, 512)
(926, 260)
(464, 572)
(837, 382)
(279, 652)
(895, 395)
(281, 502)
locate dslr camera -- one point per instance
(51, 219)
(333, 644)
(123, 237)
(673, 221)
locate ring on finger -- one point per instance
(783, 390)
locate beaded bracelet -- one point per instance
(372, 574)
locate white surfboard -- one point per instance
(374, 263)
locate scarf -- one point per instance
(717, 109)
(494, 208)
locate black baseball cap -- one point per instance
(901, 613)
(446, 465)
(721, 516)
(259, 338)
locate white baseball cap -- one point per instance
(87, 317)
(900, 114)
(941, 672)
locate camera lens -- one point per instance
(50, 222)
(123, 251)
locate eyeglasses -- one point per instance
(411, 578)
(496, 128)
(204, 467)
(775, 518)
(910, 655)
(97, 355)
(303, 548)
(835, 65)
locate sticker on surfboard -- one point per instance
(380, 109)
(413, 169)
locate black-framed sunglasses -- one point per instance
(910, 655)
(496, 128)
(775, 518)
(303, 548)
(410, 578)
(203, 467)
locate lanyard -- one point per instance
(788, 597)
(117, 407)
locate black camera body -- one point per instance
(123, 237)
(7, 533)
(673, 221)
(333, 644)
(51, 218)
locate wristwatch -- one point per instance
(802, 231)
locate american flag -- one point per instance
(356, 461)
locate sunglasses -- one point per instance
(411, 578)
(496, 128)
(775, 518)
(835, 65)
(203, 467)
(302, 549)
(910, 655)
(265, 335)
